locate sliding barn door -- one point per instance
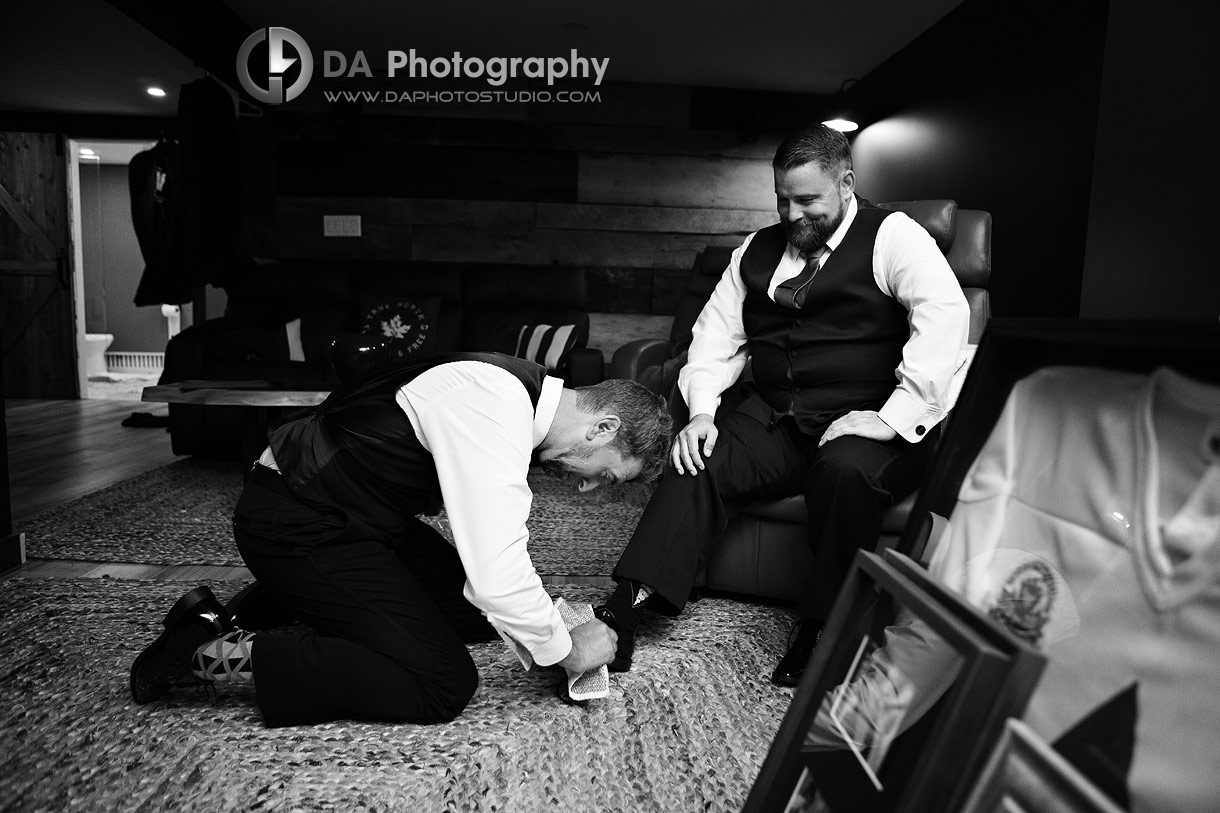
(37, 321)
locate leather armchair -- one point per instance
(765, 550)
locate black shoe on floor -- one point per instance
(801, 641)
(195, 618)
(626, 639)
(253, 608)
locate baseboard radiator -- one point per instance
(122, 362)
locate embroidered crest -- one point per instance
(1026, 600)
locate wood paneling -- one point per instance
(512, 232)
(353, 166)
(560, 136)
(628, 206)
(295, 214)
(687, 181)
(560, 247)
(607, 329)
(654, 219)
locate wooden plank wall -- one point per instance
(628, 204)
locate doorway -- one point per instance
(121, 347)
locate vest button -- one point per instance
(796, 323)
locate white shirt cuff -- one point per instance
(911, 419)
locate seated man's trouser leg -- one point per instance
(688, 513)
(849, 484)
(388, 621)
(852, 483)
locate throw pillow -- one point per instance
(408, 324)
(546, 345)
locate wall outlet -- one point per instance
(340, 225)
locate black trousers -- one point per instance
(848, 485)
(388, 621)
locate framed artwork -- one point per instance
(906, 689)
(1025, 775)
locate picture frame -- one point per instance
(1025, 664)
(1025, 775)
(895, 746)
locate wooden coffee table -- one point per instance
(257, 400)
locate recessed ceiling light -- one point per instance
(154, 91)
(87, 151)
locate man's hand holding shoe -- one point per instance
(593, 645)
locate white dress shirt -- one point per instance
(481, 428)
(908, 266)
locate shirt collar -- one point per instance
(548, 405)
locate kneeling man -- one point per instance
(327, 523)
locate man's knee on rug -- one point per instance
(308, 678)
(415, 699)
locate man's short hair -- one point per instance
(815, 144)
(646, 427)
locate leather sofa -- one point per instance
(282, 317)
(764, 550)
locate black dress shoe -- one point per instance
(626, 639)
(254, 608)
(565, 695)
(801, 641)
(197, 617)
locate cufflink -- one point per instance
(919, 430)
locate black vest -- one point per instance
(839, 352)
(358, 454)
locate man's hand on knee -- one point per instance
(863, 423)
(695, 442)
(593, 645)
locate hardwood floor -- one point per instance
(61, 450)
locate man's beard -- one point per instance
(555, 468)
(809, 235)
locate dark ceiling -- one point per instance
(92, 56)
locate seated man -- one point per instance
(855, 324)
(327, 523)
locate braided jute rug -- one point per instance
(686, 729)
(181, 514)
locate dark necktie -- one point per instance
(791, 293)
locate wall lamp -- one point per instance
(846, 114)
